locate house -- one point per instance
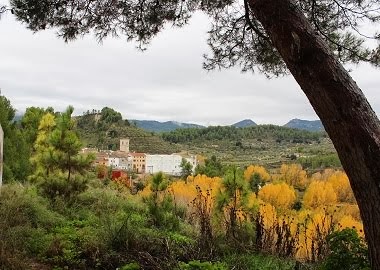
(101, 158)
(1, 155)
(118, 160)
(138, 162)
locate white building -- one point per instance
(168, 164)
(118, 160)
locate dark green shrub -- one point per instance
(255, 261)
(59, 186)
(131, 266)
(197, 265)
(347, 251)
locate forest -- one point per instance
(57, 212)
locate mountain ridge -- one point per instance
(310, 125)
(244, 123)
(167, 126)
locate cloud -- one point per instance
(166, 82)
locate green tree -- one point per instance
(56, 157)
(16, 151)
(31, 121)
(109, 115)
(309, 39)
(212, 167)
(67, 145)
(186, 168)
(232, 200)
(160, 204)
(256, 182)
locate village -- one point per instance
(123, 161)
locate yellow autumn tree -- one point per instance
(319, 194)
(281, 195)
(268, 214)
(256, 176)
(184, 192)
(342, 187)
(254, 169)
(293, 175)
(316, 227)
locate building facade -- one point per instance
(168, 164)
(118, 160)
(138, 162)
(124, 145)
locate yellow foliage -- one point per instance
(253, 201)
(146, 191)
(319, 194)
(350, 222)
(342, 187)
(350, 210)
(293, 175)
(316, 228)
(280, 195)
(207, 183)
(260, 170)
(183, 192)
(324, 175)
(269, 216)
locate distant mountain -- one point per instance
(151, 125)
(245, 123)
(315, 125)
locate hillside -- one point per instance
(156, 126)
(315, 125)
(268, 145)
(95, 131)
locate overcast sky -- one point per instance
(166, 82)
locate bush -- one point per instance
(59, 186)
(197, 265)
(347, 251)
(254, 262)
(25, 219)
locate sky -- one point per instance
(164, 83)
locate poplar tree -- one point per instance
(43, 150)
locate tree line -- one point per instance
(260, 132)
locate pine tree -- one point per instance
(67, 145)
(232, 200)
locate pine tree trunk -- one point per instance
(343, 109)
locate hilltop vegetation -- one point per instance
(268, 145)
(155, 126)
(104, 129)
(234, 133)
